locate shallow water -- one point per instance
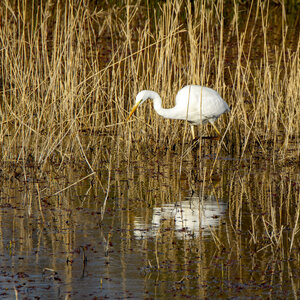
(163, 233)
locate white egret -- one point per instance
(194, 103)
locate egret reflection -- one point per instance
(191, 217)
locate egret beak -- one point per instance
(133, 109)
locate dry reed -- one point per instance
(70, 69)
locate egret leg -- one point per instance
(219, 135)
(193, 132)
(216, 129)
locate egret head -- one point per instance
(140, 98)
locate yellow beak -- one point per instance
(133, 109)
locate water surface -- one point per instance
(162, 234)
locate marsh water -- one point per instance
(163, 234)
(180, 222)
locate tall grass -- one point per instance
(70, 73)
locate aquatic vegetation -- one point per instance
(74, 69)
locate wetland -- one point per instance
(93, 206)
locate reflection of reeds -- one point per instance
(254, 240)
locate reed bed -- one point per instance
(70, 73)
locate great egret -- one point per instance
(194, 103)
